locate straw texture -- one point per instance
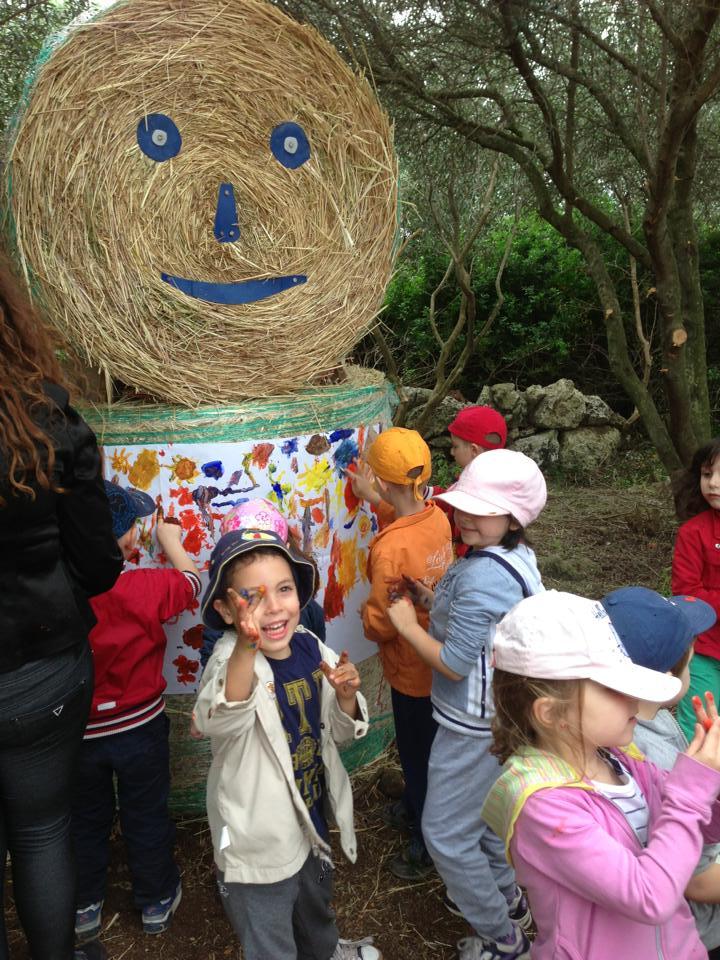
(97, 222)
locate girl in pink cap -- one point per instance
(496, 496)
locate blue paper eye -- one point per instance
(289, 145)
(158, 137)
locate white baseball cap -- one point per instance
(497, 483)
(559, 636)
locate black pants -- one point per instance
(414, 734)
(140, 759)
(43, 711)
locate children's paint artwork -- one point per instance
(305, 476)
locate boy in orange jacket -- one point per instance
(416, 543)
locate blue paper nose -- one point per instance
(226, 228)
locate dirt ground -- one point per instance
(589, 540)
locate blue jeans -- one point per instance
(43, 710)
(140, 759)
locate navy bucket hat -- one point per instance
(655, 630)
(126, 506)
(231, 546)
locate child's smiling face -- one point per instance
(483, 531)
(278, 613)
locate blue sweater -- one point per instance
(470, 600)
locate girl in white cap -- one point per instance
(603, 841)
(496, 496)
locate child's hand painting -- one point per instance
(362, 481)
(168, 531)
(343, 677)
(243, 612)
(402, 614)
(405, 586)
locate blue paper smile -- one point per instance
(246, 291)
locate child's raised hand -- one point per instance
(402, 614)
(705, 745)
(362, 481)
(243, 612)
(343, 677)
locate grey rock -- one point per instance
(562, 407)
(599, 414)
(585, 449)
(543, 448)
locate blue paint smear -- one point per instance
(340, 435)
(213, 468)
(290, 446)
(232, 503)
(278, 491)
(344, 455)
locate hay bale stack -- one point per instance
(132, 131)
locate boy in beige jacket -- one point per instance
(275, 701)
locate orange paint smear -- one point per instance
(182, 495)
(334, 600)
(261, 454)
(317, 515)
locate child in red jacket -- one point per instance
(127, 733)
(696, 569)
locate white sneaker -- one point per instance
(356, 950)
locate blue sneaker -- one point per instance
(88, 920)
(519, 910)
(156, 917)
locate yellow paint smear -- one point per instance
(145, 469)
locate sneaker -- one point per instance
(451, 906)
(414, 863)
(93, 950)
(88, 920)
(476, 948)
(156, 917)
(519, 910)
(356, 950)
(396, 815)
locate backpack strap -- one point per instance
(503, 563)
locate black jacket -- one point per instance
(56, 550)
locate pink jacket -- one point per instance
(595, 893)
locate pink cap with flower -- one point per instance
(255, 515)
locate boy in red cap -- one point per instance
(473, 431)
(416, 543)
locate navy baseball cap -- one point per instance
(655, 630)
(126, 506)
(234, 544)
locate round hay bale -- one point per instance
(203, 198)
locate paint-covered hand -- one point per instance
(244, 614)
(705, 745)
(168, 533)
(343, 677)
(402, 614)
(405, 586)
(362, 481)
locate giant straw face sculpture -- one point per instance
(204, 198)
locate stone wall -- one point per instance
(555, 424)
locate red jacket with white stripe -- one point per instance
(129, 643)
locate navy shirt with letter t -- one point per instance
(298, 685)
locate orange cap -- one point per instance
(401, 456)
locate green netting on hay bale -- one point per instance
(365, 397)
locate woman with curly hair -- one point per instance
(56, 550)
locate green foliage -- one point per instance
(23, 28)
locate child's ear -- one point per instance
(476, 449)
(224, 610)
(544, 711)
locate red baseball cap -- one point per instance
(475, 424)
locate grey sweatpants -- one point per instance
(469, 857)
(288, 920)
